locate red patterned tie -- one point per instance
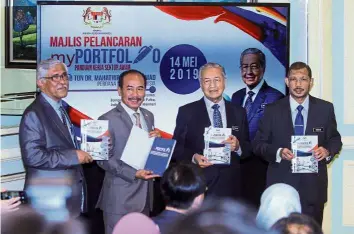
(137, 117)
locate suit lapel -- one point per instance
(203, 117)
(311, 117)
(229, 115)
(53, 116)
(147, 119)
(124, 116)
(241, 97)
(286, 114)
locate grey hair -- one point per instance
(211, 65)
(261, 56)
(44, 66)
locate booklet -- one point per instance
(94, 138)
(215, 151)
(303, 149)
(143, 152)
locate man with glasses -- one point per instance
(299, 114)
(212, 110)
(48, 143)
(254, 97)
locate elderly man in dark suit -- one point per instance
(254, 97)
(213, 110)
(47, 141)
(299, 114)
(126, 189)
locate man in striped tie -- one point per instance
(126, 189)
(213, 110)
(299, 114)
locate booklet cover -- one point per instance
(160, 155)
(214, 150)
(94, 138)
(142, 152)
(303, 149)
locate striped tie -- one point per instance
(137, 118)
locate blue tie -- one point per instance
(249, 102)
(217, 116)
(299, 122)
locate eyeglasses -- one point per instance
(57, 77)
(300, 80)
(208, 82)
(253, 67)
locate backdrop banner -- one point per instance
(168, 42)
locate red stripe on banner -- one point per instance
(164, 134)
(191, 12)
(247, 26)
(76, 116)
(201, 12)
(272, 12)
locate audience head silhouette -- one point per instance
(183, 186)
(218, 216)
(297, 223)
(134, 223)
(277, 201)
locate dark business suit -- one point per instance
(47, 146)
(254, 169)
(275, 131)
(165, 219)
(192, 119)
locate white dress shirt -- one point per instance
(131, 113)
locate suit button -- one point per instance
(80, 181)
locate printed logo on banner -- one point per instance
(97, 17)
(179, 68)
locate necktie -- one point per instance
(67, 123)
(217, 116)
(299, 122)
(137, 118)
(249, 102)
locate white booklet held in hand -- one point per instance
(215, 151)
(95, 136)
(149, 153)
(303, 148)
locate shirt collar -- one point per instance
(129, 110)
(255, 89)
(56, 105)
(209, 103)
(294, 104)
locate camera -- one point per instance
(10, 194)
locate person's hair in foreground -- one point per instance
(218, 217)
(28, 221)
(297, 223)
(181, 184)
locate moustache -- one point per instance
(135, 99)
(63, 86)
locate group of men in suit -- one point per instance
(260, 141)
